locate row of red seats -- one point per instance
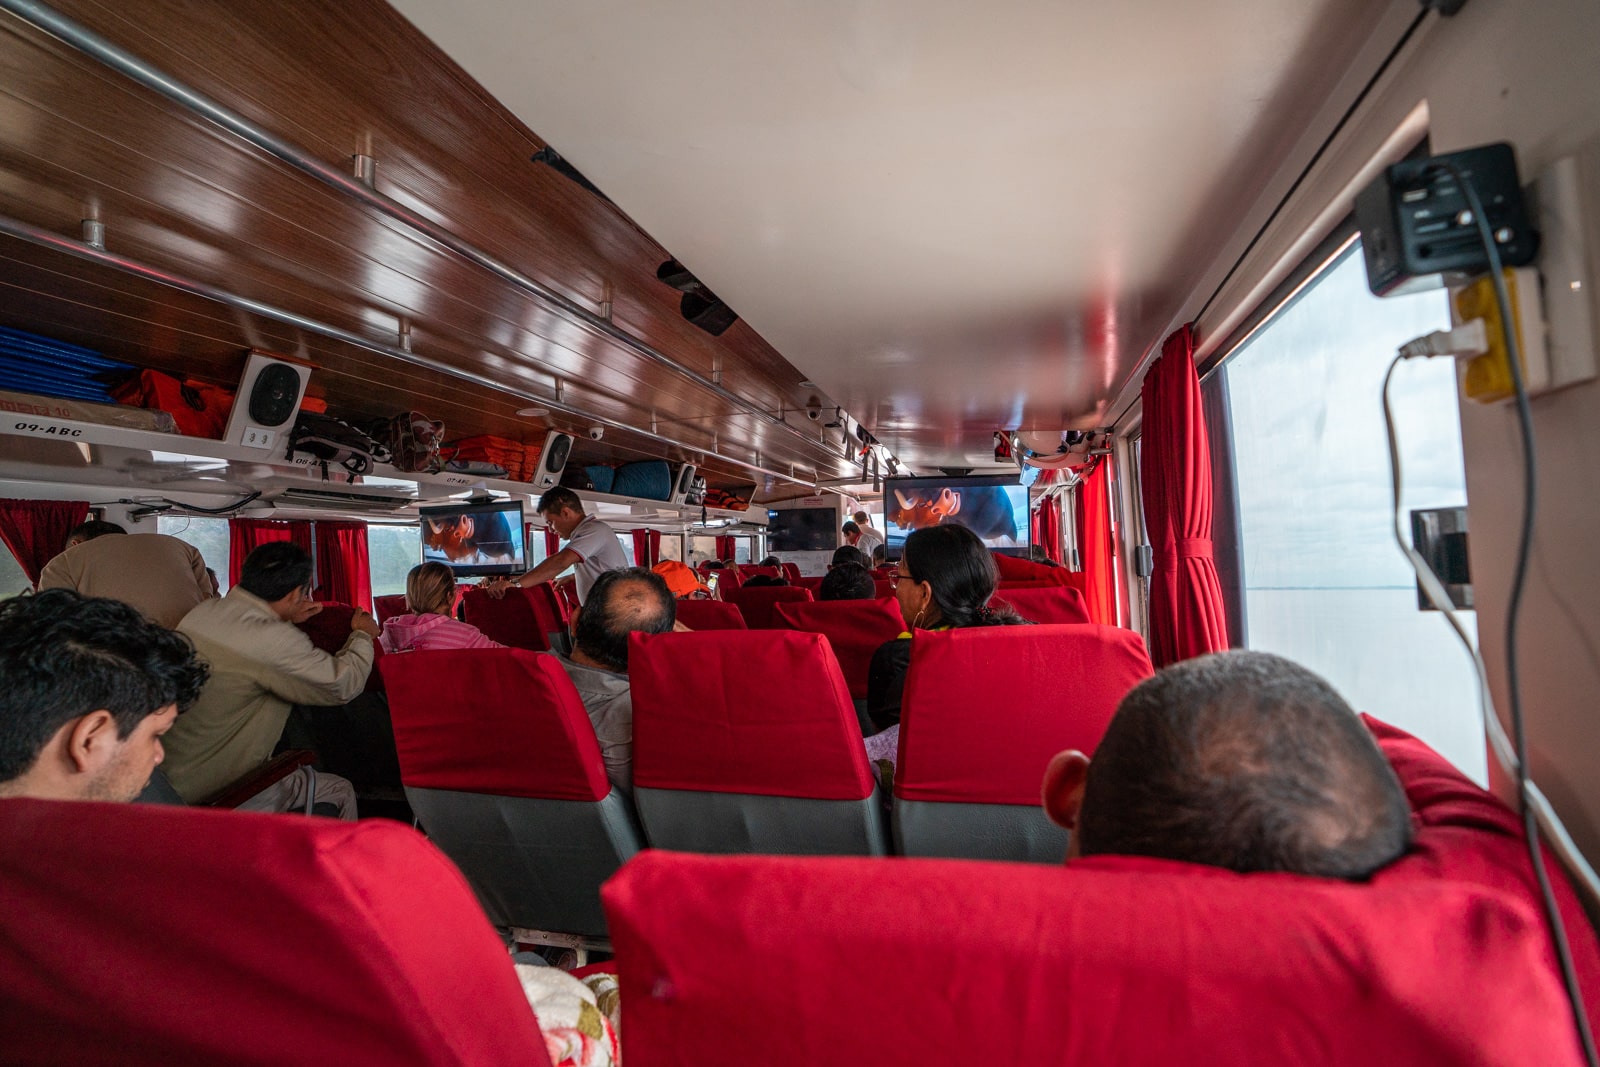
(240, 938)
(744, 741)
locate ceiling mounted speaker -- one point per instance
(553, 459)
(267, 401)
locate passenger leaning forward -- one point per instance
(261, 666)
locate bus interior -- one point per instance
(733, 273)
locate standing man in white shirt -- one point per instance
(591, 547)
(870, 538)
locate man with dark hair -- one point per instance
(1240, 760)
(161, 576)
(880, 554)
(847, 581)
(619, 603)
(852, 534)
(261, 666)
(88, 686)
(591, 550)
(849, 554)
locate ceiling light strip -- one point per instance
(85, 40)
(46, 239)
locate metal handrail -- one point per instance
(47, 239)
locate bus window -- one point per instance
(1324, 582)
(13, 579)
(625, 542)
(208, 536)
(391, 553)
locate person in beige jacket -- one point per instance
(261, 666)
(162, 576)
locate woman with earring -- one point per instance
(943, 581)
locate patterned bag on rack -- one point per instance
(413, 442)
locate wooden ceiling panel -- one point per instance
(181, 195)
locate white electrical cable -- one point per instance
(1555, 831)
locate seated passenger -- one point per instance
(880, 555)
(943, 581)
(430, 597)
(261, 666)
(682, 582)
(1037, 554)
(762, 580)
(849, 554)
(1241, 760)
(620, 602)
(847, 581)
(772, 561)
(160, 575)
(88, 686)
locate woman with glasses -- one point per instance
(943, 581)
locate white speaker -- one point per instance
(684, 486)
(552, 459)
(267, 401)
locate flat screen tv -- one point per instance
(995, 507)
(803, 530)
(475, 539)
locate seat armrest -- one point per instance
(271, 772)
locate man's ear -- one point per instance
(92, 741)
(1064, 779)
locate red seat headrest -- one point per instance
(138, 934)
(986, 707)
(1055, 604)
(710, 615)
(329, 629)
(744, 711)
(504, 721)
(757, 604)
(511, 620)
(855, 629)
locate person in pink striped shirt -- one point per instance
(430, 597)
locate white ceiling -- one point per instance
(954, 217)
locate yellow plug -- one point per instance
(1488, 377)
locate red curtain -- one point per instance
(1097, 544)
(1186, 611)
(247, 535)
(655, 547)
(36, 530)
(344, 574)
(641, 549)
(1047, 528)
(725, 548)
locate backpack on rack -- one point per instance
(329, 440)
(412, 440)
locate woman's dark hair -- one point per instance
(847, 581)
(961, 573)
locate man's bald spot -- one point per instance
(632, 604)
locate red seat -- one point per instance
(803, 582)
(984, 710)
(750, 570)
(329, 629)
(882, 588)
(855, 629)
(387, 607)
(517, 619)
(500, 763)
(710, 615)
(791, 571)
(757, 604)
(1440, 959)
(746, 741)
(134, 935)
(1058, 604)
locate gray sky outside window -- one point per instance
(1324, 581)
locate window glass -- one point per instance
(1324, 582)
(209, 536)
(671, 546)
(741, 549)
(701, 549)
(625, 542)
(391, 553)
(13, 579)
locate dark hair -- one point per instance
(273, 571)
(620, 602)
(880, 553)
(88, 531)
(759, 580)
(850, 554)
(1247, 761)
(961, 573)
(558, 499)
(847, 581)
(64, 655)
(850, 528)
(772, 561)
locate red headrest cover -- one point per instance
(744, 711)
(495, 720)
(134, 935)
(986, 707)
